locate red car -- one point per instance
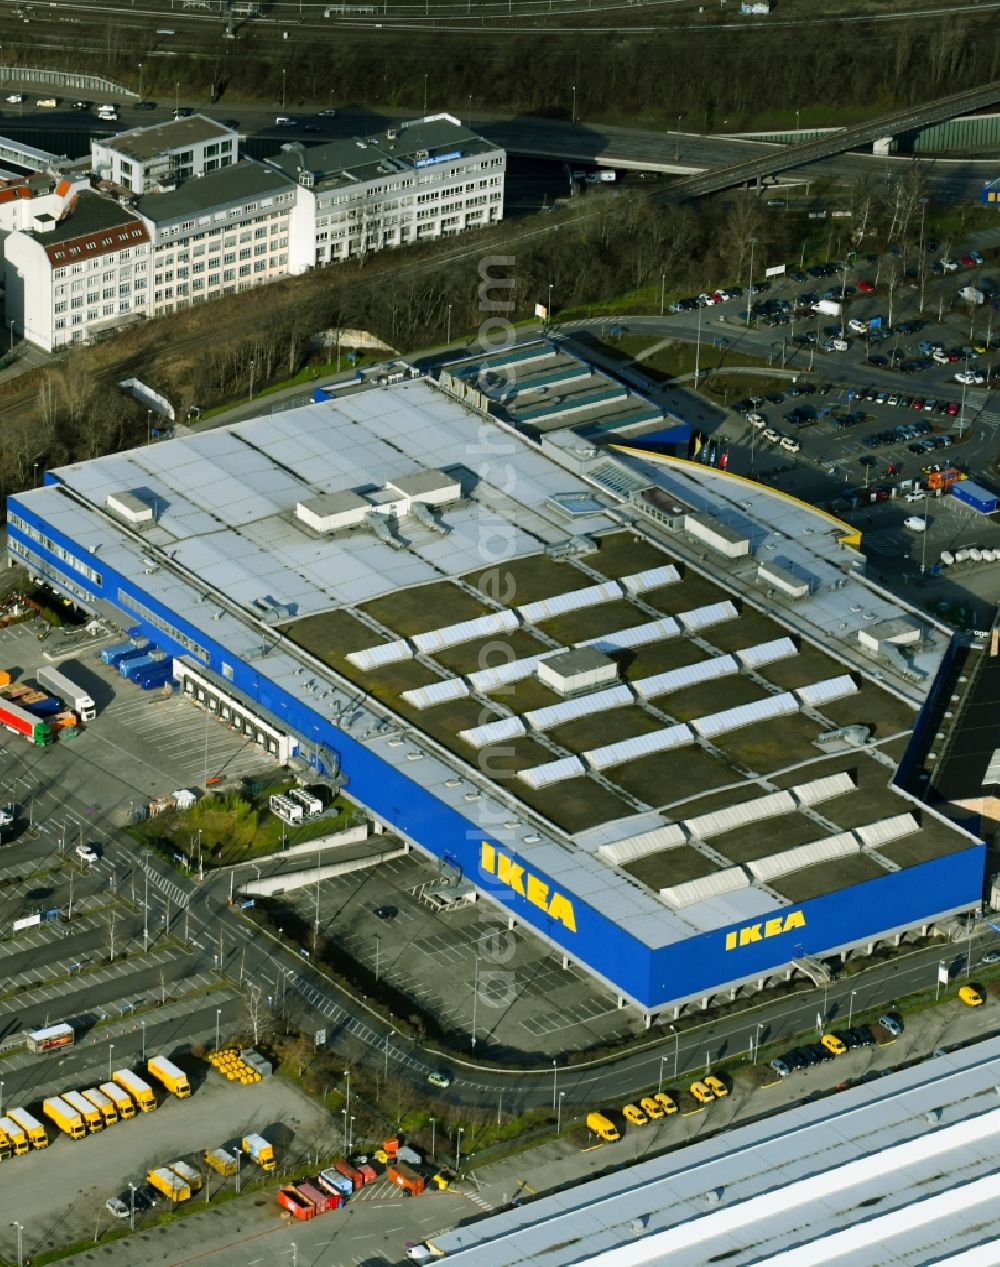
(881, 494)
(967, 261)
(918, 402)
(952, 408)
(866, 288)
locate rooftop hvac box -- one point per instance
(433, 488)
(130, 508)
(330, 511)
(898, 633)
(782, 579)
(579, 670)
(662, 506)
(717, 536)
(972, 494)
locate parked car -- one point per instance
(836, 1046)
(780, 1067)
(701, 1093)
(86, 853)
(666, 1102)
(717, 1087)
(634, 1115)
(116, 1207)
(439, 1078)
(891, 1024)
(651, 1109)
(972, 995)
(992, 956)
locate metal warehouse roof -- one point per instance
(901, 1170)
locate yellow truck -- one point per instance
(170, 1184)
(221, 1161)
(31, 1126)
(16, 1134)
(140, 1091)
(122, 1102)
(67, 1119)
(603, 1127)
(174, 1079)
(188, 1173)
(91, 1114)
(259, 1150)
(6, 1146)
(104, 1106)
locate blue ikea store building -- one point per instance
(132, 538)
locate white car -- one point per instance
(15, 99)
(915, 523)
(969, 377)
(891, 1024)
(790, 443)
(116, 1207)
(706, 301)
(86, 853)
(949, 266)
(772, 435)
(439, 1078)
(857, 325)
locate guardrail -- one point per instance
(62, 79)
(831, 144)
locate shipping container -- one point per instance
(974, 495)
(298, 1206)
(332, 1181)
(322, 1201)
(349, 1172)
(401, 1175)
(122, 1102)
(113, 656)
(50, 1038)
(31, 1126)
(131, 665)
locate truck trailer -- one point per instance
(65, 1117)
(222, 1161)
(259, 1150)
(92, 1117)
(174, 1079)
(50, 1038)
(191, 1177)
(103, 1104)
(140, 1091)
(122, 1102)
(21, 722)
(334, 1183)
(17, 1135)
(31, 1126)
(113, 656)
(75, 696)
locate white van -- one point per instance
(915, 523)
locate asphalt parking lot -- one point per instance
(84, 1173)
(527, 1000)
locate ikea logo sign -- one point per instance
(556, 905)
(769, 928)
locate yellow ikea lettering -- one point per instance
(557, 906)
(770, 928)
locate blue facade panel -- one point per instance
(654, 977)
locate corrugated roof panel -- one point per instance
(635, 636)
(829, 689)
(706, 825)
(766, 652)
(687, 675)
(437, 693)
(702, 617)
(667, 837)
(558, 604)
(803, 856)
(886, 829)
(825, 789)
(651, 578)
(486, 680)
(745, 714)
(567, 710)
(538, 776)
(384, 653)
(493, 731)
(465, 631)
(641, 746)
(707, 886)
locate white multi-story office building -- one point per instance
(176, 217)
(70, 279)
(426, 179)
(164, 155)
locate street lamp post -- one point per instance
(796, 125)
(677, 1047)
(574, 103)
(385, 1072)
(475, 1003)
(218, 1019)
(425, 92)
(550, 303)
(756, 1041)
(458, 1146)
(251, 379)
(433, 1134)
(923, 538)
(850, 1010)
(677, 139)
(131, 1207)
(143, 1026)
(20, 1249)
(283, 72)
(449, 323)
(663, 288)
(347, 1098)
(697, 354)
(562, 1096)
(1, 1097)
(554, 1073)
(140, 82)
(923, 255)
(659, 1081)
(111, 1048)
(753, 243)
